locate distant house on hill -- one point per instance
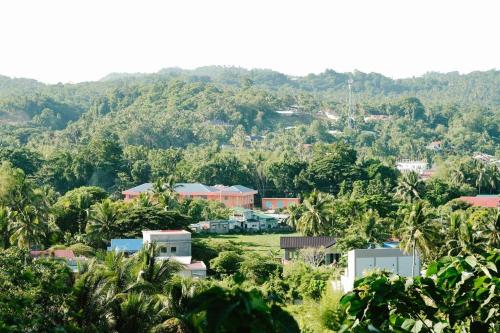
(411, 165)
(485, 201)
(231, 196)
(435, 145)
(376, 117)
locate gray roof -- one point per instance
(298, 242)
(194, 187)
(141, 188)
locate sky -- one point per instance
(83, 40)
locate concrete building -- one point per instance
(172, 245)
(215, 226)
(249, 220)
(362, 261)
(231, 196)
(278, 203)
(410, 165)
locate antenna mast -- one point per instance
(349, 117)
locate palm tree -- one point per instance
(294, 212)
(409, 187)
(491, 231)
(82, 205)
(6, 218)
(102, 221)
(152, 274)
(418, 231)
(374, 228)
(28, 228)
(461, 236)
(316, 217)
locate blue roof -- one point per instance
(125, 245)
(391, 245)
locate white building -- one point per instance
(410, 165)
(362, 261)
(176, 245)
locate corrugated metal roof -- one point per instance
(141, 188)
(298, 242)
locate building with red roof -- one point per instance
(486, 201)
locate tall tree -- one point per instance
(316, 216)
(418, 231)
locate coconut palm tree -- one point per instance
(374, 228)
(28, 228)
(7, 216)
(102, 221)
(490, 231)
(409, 187)
(316, 217)
(152, 273)
(418, 231)
(294, 212)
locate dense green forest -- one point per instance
(131, 128)
(68, 150)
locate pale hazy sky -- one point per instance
(79, 40)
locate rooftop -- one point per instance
(194, 188)
(171, 232)
(126, 245)
(487, 201)
(66, 254)
(300, 242)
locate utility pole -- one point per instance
(349, 116)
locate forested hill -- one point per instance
(233, 106)
(474, 88)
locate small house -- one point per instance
(293, 244)
(278, 203)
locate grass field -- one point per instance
(250, 242)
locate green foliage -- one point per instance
(33, 294)
(457, 293)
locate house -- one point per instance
(485, 201)
(231, 196)
(376, 117)
(172, 244)
(215, 226)
(127, 246)
(335, 132)
(277, 203)
(176, 245)
(68, 256)
(254, 138)
(411, 165)
(292, 245)
(362, 261)
(435, 145)
(248, 220)
(332, 116)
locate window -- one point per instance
(163, 249)
(225, 198)
(173, 249)
(280, 204)
(269, 204)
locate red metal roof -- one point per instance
(486, 201)
(66, 254)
